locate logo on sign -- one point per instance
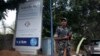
(33, 42)
(27, 23)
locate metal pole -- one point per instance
(51, 17)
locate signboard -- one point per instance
(29, 26)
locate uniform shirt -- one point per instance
(62, 32)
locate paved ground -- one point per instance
(33, 55)
(15, 53)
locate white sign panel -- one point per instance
(29, 25)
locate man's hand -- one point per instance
(59, 39)
(66, 37)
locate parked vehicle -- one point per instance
(95, 47)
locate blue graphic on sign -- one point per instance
(33, 41)
(26, 41)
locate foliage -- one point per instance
(46, 19)
(85, 18)
(9, 41)
(10, 5)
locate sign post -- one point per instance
(51, 18)
(28, 27)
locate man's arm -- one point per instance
(57, 38)
(70, 35)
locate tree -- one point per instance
(86, 12)
(11, 28)
(46, 19)
(10, 5)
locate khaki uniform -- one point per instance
(60, 45)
